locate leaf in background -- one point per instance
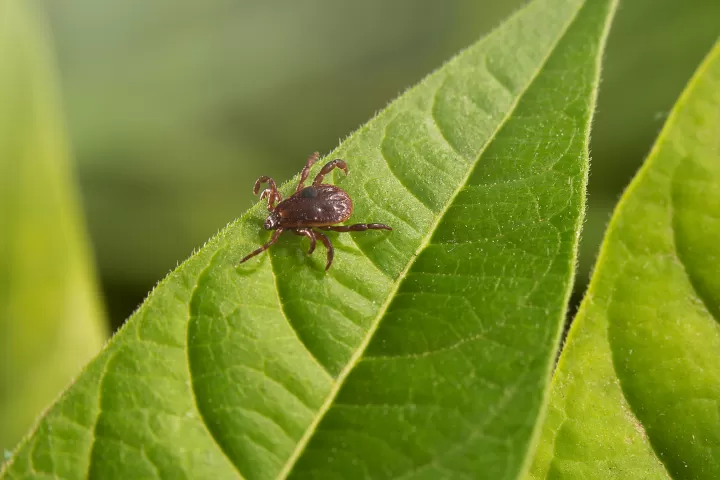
(425, 352)
(251, 102)
(50, 318)
(648, 63)
(637, 388)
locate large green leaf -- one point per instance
(50, 320)
(423, 353)
(637, 388)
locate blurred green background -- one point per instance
(165, 112)
(175, 107)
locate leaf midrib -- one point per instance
(354, 359)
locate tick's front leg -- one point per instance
(273, 239)
(271, 193)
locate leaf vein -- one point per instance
(354, 360)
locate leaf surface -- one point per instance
(51, 322)
(422, 353)
(637, 388)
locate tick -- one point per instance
(319, 206)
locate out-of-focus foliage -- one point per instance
(635, 394)
(176, 107)
(50, 319)
(654, 47)
(420, 347)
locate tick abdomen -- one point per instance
(314, 206)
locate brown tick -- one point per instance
(317, 206)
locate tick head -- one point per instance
(272, 221)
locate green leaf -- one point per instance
(51, 323)
(424, 352)
(637, 387)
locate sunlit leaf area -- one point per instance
(500, 263)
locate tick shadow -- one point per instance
(290, 251)
(358, 241)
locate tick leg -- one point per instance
(306, 171)
(273, 239)
(330, 250)
(308, 233)
(271, 193)
(337, 163)
(358, 227)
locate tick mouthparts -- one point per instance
(271, 221)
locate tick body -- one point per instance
(318, 206)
